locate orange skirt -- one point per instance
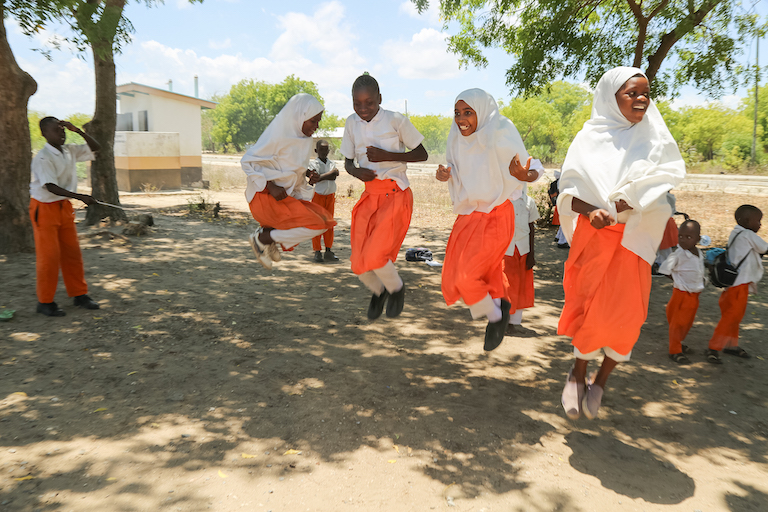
(607, 289)
(380, 221)
(555, 217)
(289, 213)
(681, 312)
(670, 235)
(733, 305)
(473, 257)
(518, 281)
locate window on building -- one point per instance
(124, 122)
(143, 121)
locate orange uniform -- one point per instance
(733, 305)
(607, 289)
(289, 213)
(669, 239)
(518, 281)
(327, 202)
(681, 312)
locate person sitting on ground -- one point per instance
(322, 173)
(685, 267)
(53, 183)
(745, 250)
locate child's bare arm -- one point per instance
(530, 259)
(418, 154)
(276, 191)
(598, 217)
(360, 173)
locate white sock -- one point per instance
(294, 236)
(516, 318)
(497, 302)
(486, 308)
(370, 280)
(389, 277)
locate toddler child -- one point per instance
(322, 173)
(685, 267)
(745, 247)
(378, 139)
(519, 261)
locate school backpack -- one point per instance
(722, 273)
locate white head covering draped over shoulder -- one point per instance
(480, 179)
(282, 152)
(612, 159)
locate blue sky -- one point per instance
(330, 43)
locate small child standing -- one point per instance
(322, 174)
(745, 247)
(519, 261)
(378, 139)
(685, 267)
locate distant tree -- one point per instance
(435, 130)
(329, 122)
(747, 109)
(567, 98)
(572, 38)
(244, 113)
(540, 125)
(706, 128)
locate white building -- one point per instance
(149, 159)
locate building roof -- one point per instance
(132, 88)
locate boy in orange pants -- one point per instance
(378, 139)
(519, 261)
(322, 174)
(745, 247)
(54, 181)
(685, 267)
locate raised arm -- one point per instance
(418, 154)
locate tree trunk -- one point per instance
(16, 157)
(102, 128)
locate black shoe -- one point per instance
(563, 246)
(330, 256)
(50, 309)
(494, 332)
(318, 257)
(84, 301)
(396, 302)
(377, 305)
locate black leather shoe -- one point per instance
(396, 302)
(377, 305)
(318, 257)
(84, 301)
(494, 332)
(330, 256)
(50, 309)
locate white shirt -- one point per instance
(387, 130)
(526, 212)
(686, 269)
(747, 244)
(58, 167)
(326, 187)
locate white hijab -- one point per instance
(612, 159)
(282, 152)
(480, 179)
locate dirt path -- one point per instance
(207, 383)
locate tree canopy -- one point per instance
(244, 113)
(575, 38)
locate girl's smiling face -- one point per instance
(465, 118)
(310, 125)
(633, 98)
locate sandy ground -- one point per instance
(207, 383)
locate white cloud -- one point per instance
(425, 56)
(431, 15)
(219, 45)
(62, 89)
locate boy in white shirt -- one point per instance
(322, 174)
(685, 267)
(54, 181)
(744, 244)
(519, 261)
(378, 140)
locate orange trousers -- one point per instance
(671, 232)
(56, 247)
(607, 289)
(289, 213)
(733, 305)
(473, 257)
(681, 311)
(328, 202)
(555, 217)
(380, 221)
(518, 281)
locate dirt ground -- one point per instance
(208, 383)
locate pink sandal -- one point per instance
(591, 402)
(573, 395)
